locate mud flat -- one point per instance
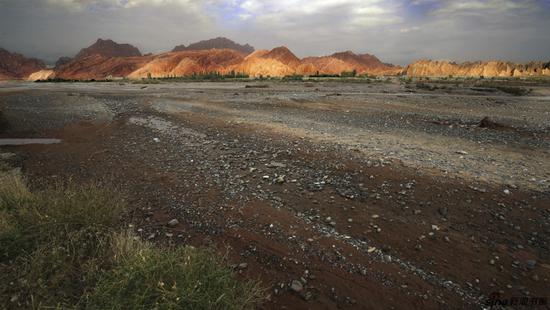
(417, 194)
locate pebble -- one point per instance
(243, 265)
(276, 165)
(531, 264)
(173, 223)
(296, 286)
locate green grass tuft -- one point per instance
(180, 278)
(60, 249)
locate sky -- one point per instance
(397, 31)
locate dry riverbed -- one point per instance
(349, 195)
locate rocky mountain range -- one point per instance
(107, 59)
(477, 69)
(217, 43)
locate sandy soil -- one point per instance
(372, 196)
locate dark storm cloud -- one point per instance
(396, 30)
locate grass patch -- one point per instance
(61, 248)
(180, 278)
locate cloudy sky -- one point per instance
(397, 31)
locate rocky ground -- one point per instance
(335, 195)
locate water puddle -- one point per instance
(4, 142)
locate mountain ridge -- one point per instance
(216, 43)
(107, 59)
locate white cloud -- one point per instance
(396, 30)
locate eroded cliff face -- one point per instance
(99, 67)
(349, 61)
(15, 66)
(427, 68)
(188, 62)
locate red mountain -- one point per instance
(188, 62)
(100, 67)
(108, 48)
(349, 61)
(284, 55)
(16, 66)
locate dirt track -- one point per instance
(368, 194)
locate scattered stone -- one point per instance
(296, 286)
(173, 223)
(243, 266)
(531, 264)
(375, 216)
(157, 140)
(307, 296)
(276, 165)
(6, 156)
